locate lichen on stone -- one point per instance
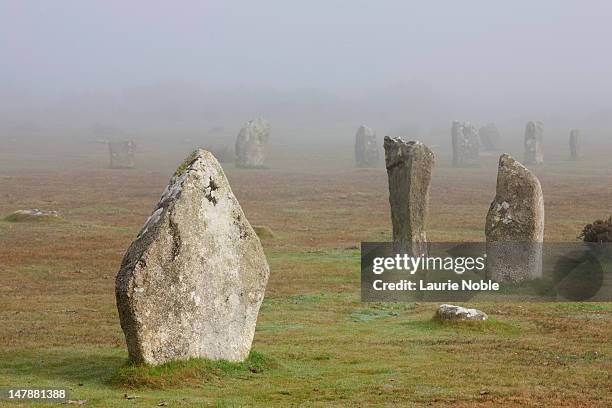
(186, 163)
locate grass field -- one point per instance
(316, 344)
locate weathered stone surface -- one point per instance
(366, 147)
(489, 137)
(515, 224)
(252, 142)
(409, 167)
(574, 142)
(192, 282)
(465, 144)
(32, 215)
(122, 155)
(534, 137)
(452, 312)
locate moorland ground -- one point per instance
(316, 343)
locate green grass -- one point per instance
(194, 371)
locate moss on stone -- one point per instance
(186, 163)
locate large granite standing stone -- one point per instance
(192, 282)
(489, 137)
(515, 224)
(366, 147)
(574, 143)
(409, 167)
(534, 137)
(251, 143)
(466, 148)
(122, 155)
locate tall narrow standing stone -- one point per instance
(252, 142)
(409, 167)
(534, 137)
(366, 147)
(122, 155)
(489, 137)
(465, 143)
(515, 224)
(192, 282)
(574, 142)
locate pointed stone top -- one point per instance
(533, 124)
(508, 165)
(257, 120)
(366, 128)
(398, 150)
(257, 126)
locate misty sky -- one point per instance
(546, 50)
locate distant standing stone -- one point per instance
(122, 155)
(452, 312)
(192, 282)
(251, 143)
(466, 147)
(534, 137)
(515, 224)
(409, 167)
(574, 142)
(489, 137)
(366, 147)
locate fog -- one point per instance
(401, 65)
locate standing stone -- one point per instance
(465, 143)
(534, 136)
(409, 166)
(574, 142)
(366, 147)
(192, 282)
(122, 155)
(515, 224)
(489, 137)
(251, 143)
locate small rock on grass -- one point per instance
(452, 312)
(32, 215)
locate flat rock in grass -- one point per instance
(192, 282)
(32, 215)
(452, 312)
